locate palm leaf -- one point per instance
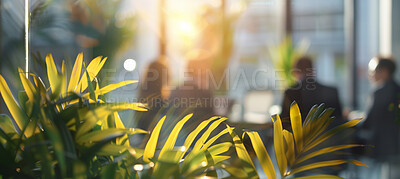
(16, 112)
(324, 164)
(170, 143)
(262, 155)
(151, 145)
(92, 69)
(190, 138)
(326, 151)
(109, 88)
(297, 127)
(331, 133)
(206, 134)
(279, 145)
(56, 80)
(28, 87)
(100, 135)
(214, 138)
(76, 73)
(290, 152)
(319, 177)
(243, 155)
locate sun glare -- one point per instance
(186, 28)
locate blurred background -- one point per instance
(249, 42)
(244, 36)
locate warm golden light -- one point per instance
(186, 28)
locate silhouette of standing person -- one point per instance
(307, 92)
(154, 92)
(194, 95)
(381, 118)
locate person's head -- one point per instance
(381, 69)
(303, 67)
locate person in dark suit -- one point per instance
(153, 91)
(194, 96)
(307, 92)
(381, 118)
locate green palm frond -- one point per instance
(67, 124)
(292, 150)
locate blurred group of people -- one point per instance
(380, 128)
(193, 96)
(380, 131)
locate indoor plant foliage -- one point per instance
(65, 130)
(68, 130)
(204, 156)
(283, 57)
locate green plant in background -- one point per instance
(66, 130)
(217, 37)
(100, 26)
(283, 57)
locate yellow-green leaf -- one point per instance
(290, 153)
(109, 88)
(199, 143)
(151, 145)
(243, 155)
(189, 140)
(297, 126)
(92, 69)
(320, 177)
(99, 135)
(125, 106)
(112, 149)
(90, 118)
(120, 125)
(331, 132)
(16, 112)
(236, 172)
(325, 151)
(262, 155)
(279, 145)
(320, 124)
(324, 164)
(63, 80)
(213, 139)
(170, 143)
(219, 148)
(220, 158)
(6, 125)
(76, 73)
(54, 77)
(96, 95)
(28, 87)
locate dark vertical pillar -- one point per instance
(288, 17)
(162, 38)
(351, 54)
(396, 36)
(1, 50)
